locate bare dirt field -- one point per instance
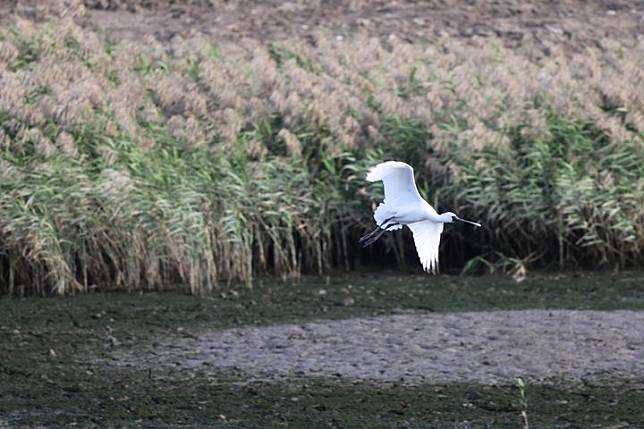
(533, 25)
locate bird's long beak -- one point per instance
(468, 221)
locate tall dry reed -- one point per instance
(138, 165)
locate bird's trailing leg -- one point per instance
(375, 231)
(372, 239)
(368, 235)
(373, 236)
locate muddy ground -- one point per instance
(134, 360)
(471, 347)
(525, 24)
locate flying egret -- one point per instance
(403, 205)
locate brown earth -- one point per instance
(532, 25)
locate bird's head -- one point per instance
(450, 217)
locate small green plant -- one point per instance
(281, 54)
(496, 262)
(28, 53)
(523, 401)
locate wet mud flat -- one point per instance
(472, 347)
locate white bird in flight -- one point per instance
(403, 205)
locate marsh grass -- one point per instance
(523, 401)
(140, 166)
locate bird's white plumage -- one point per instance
(427, 237)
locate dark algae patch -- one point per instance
(56, 355)
(136, 400)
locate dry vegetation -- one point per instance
(141, 165)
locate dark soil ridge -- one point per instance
(472, 347)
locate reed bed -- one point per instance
(138, 165)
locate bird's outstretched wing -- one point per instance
(427, 237)
(398, 178)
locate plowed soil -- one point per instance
(529, 24)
